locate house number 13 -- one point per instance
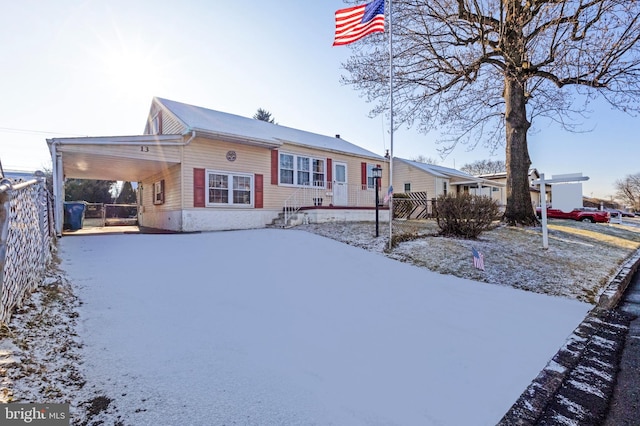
(144, 149)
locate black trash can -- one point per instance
(74, 215)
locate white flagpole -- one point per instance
(391, 121)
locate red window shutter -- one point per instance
(379, 180)
(198, 188)
(274, 166)
(363, 175)
(329, 170)
(259, 185)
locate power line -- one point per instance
(14, 130)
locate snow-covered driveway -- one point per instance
(284, 327)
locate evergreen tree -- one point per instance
(91, 191)
(127, 194)
(264, 115)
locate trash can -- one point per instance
(74, 215)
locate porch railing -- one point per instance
(333, 194)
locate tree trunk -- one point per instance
(519, 209)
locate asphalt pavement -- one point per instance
(593, 379)
(624, 408)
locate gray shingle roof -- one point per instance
(440, 171)
(203, 119)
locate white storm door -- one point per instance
(340, 188)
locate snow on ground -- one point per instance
(579, 262)
(287, 327)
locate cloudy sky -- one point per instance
(91, 68)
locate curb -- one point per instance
(575, 370)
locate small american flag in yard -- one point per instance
(389, 194)
(478, 259)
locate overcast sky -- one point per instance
(91, 68)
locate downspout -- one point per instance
(182, 176)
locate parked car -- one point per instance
(613, 212)
(583, 214)
(616, 212)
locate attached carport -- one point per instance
(123, 158)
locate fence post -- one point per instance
(5, 215)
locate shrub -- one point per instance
(465, 216)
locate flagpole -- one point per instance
(391, 122)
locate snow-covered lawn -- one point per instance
(581, 258)
(286, 327)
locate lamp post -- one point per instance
(377, 175)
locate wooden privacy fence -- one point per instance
(26, 238)
(413, 205)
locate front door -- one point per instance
(340, 188)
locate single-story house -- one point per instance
(534, 190)
(413, 176)
(201, 170)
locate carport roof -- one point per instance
(114, 157)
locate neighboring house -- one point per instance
(501, 196)
(202, 170)
(18, 175)
(413, 176)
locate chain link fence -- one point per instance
(26, 240)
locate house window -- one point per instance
(225, 188)
(407, 187)
(286, 169)
(318, 172)
(155, 127)
(444, 187)
(158, 192)
(371, 182)
(301, 170)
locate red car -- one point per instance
(583, 214)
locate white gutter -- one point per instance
(121, 140)
(371, 155)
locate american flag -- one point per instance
(356, 22)
(389, 194)
(478, 259)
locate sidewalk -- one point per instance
(595, 370)
(624, 408)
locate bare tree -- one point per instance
(480, 71)
(482, 167)
(264, 115)
(427, 160)
(628, 190)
